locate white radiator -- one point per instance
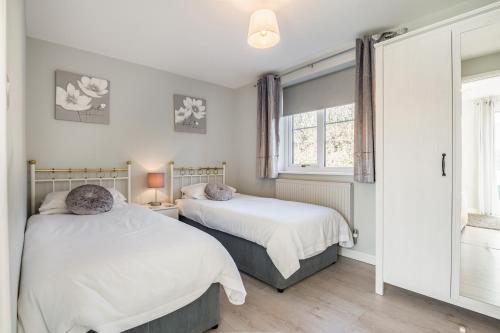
(329, 194)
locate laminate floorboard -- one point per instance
(341, 298)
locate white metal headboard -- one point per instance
(59, 176)
(194, 175)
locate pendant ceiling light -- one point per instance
(263, 31)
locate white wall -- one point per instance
(141, 128)
(16, 152)
(479, 65)
(451, 11)
(5, 306)
(248, 182)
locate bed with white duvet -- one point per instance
(114, 271)
(289, 231)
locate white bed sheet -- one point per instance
(114, 271)
(290, 231)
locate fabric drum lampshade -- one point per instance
(263, 31)
(156, 180)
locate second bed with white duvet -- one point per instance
(289, 231)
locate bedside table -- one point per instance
(165, 209)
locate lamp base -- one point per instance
(154, 203)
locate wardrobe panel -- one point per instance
(417, 182)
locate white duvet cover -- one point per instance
(290, 231)
(114, 271)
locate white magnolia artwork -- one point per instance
(190, 114)
(82, 98)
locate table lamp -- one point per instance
(156, 180)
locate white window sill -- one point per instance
(320, 173)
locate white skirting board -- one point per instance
(357, 255)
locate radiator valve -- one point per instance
(355, 234)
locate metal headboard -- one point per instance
(194, 175)
(57, 176)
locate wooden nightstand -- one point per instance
(165, 209)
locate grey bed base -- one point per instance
(199, 316)
(251, 258)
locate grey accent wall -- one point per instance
(247, 182)
(141, 127)
(16, 151)
(245, 145)
(364, 194)
(479, 65)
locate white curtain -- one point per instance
(484, 111)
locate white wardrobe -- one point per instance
(416, 140)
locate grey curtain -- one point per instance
(268, 117)
(364, 115)
(364, 98)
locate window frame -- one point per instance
(496, 112)
(319, 168)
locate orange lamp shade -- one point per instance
(156, 180)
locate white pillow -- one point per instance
(197, 191)
(119, 199)
(55, 202)
(194, 191)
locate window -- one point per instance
(318, 118)
(320, 141)
(305, 138)
(339, 135)
(497, 154)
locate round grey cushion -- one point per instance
(218, 192)
(89, 200)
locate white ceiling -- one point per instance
(206, 39)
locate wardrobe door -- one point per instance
(417, 181)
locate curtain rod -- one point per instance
(312, 64)
(376, 37)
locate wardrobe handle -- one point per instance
(443, 165)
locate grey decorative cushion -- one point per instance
(218, 192)
(89, 200)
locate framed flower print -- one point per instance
(190, 114)
(82, 98)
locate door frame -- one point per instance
(458, 29)
(5, 297)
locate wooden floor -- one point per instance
(341, 298)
